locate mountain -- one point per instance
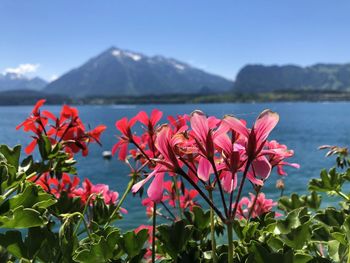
(121, 72)
(260, 78)
(13, 81)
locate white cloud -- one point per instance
(23, 69)
(53, 77)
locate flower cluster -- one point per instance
(69, 185)
(69, 133)
(206, 151)
(67, 128)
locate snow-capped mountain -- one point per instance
(122, 72)
(13, 81)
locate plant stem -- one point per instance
(348, 261)
(343, 195)
(154, 233)
(240, 189)
(212, 230)
(84, 211)
(220, 187)
(177, 196)
(257, 192)
(127, 190)
(230, 242)
(168, 210)
(209, 202)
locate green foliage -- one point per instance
(312, 201)
(174, 238)
(61, 229)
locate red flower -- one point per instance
(68, 129)
(36, 123)
(124, 126)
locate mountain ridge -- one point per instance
(265, 78)
(14, 81)
(123, 72)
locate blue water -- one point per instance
(302, 127)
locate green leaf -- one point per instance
(9, 162)
(260, 254)
(97, 252)
(174, 238)
(330, 182)
(11, 154)
(201, 218)
(333, 247)
(12, 241)
(44, 147)
(293, 220)
(331, 217)
(21, 218)
(33, 196)
(133, 243)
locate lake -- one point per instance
(302, 127)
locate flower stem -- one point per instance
(127, 190)
(220, 187)
(343, 195)
(154, 233)
(177, 192)
(233, 215)
(84, 211)
(209, 202)
(212, 230)
(257, 192)
(230, 242)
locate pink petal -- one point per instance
(295, 165)
(155, 190)
(261, 167)
(199, 125)
(156, 115)
(228, 181)
(266, 121)
(236, 125)
(138, 185)
(253, 179)
(142, 117)
(204, 169)
(223, 142)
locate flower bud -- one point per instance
(280, 184)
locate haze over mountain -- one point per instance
(121, 72)
(260, 78)
(13, 81)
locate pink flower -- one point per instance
(254, 141)
(232, 161)
(277, 154)
(204, 130)
(88, 189)
(256, 137)
(262, 206)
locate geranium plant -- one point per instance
(178, 169)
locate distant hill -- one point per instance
(30, 97)
(126, 73)
(13, 81)
(260, 78)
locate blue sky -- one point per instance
(54, 36)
